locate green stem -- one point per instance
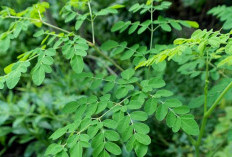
(92, 22)
(152, 31)
(211, 109)
(206, 116)
(204, 121)
(206, 84)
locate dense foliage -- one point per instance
(97, 78)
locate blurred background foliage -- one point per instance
(28, 114)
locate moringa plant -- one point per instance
(111, 111)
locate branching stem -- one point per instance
(208, 112)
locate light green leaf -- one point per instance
(193, 24)
(117, 6)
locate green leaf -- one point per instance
(117, 26)
(50, 52)
(141, 128)
(108, 45)
(112, 124)
(189, 125)
(156, 83)
(165, 27)
(150, 106)
(70, 17)
(76, 150)
(141, 150)
(142, 29)
(117, 6)
(142, 138)
(112, 135)
(97, 150)
(173, 102)
(161, 112)
(62, 154)
(53, 149)
(193, 24)
(39, 33)
(38, 75)
(47, 60)
(58, 133)
(1, 83)
(127, 74)
(163, 93)
(108, 87)
(79, 22)
(13, 79)
(181, 110)
(127, 54)
(121, 92)
(177, 125)
(70, 107)
(170, 119)
(77, 64)
(106, 11)
(130, 144)
(176, 25)
(134, 7)
(113, 148)
(101, 106)
(133, 28)
(139, 115)
(5, 44)
(104, 154)
(134, 104)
